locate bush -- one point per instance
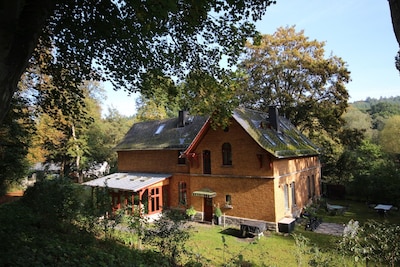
(57, 199)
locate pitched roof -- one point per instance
(165, 134)
(162, 134)
(285, 143)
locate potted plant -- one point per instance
(190, 212)
(217, 216)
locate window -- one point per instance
(228, 200)
(286, 196)
(181, 160)
(226, 154)
(182, 193)
(160, 128)
(266, 136)
(313, 185)
(293, 189)
(155, 200)
(309, 186)
(207, 162)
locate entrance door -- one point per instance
(207, 162)
(208, 209)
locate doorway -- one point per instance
(208, 209)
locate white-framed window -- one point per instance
(293, 190)
(286, 196)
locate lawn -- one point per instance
(217, 245)
(30, 239)
(359, 211)
(207, 242)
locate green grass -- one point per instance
(273, 249)
(276, 249)
(28, 239)
(357, 211)
(207, 241)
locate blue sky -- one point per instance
(358, 31)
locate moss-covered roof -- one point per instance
(162, 134)
(165, 134)
(288, 142)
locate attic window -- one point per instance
(269, 139)
(256, 123)
(280, 136)
(159, 129)
(283, 125)
(293, 140)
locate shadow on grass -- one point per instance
(237, 233)
(29, 239)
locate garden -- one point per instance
(54, 224)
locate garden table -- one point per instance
(382, 209)
(252, 227)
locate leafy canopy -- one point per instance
(127, 41)
(291, 71)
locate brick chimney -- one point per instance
(274, 117)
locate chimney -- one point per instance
(274, 117)
(183, 118)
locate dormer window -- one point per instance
(226, 154)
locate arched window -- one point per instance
(226, 154)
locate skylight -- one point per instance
(269, 139)
(256, 123)
(280, 136)
(159, 129)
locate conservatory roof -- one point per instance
(128, 181)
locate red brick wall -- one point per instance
(156, 161)
(251, 197)
(244, 153)
(296, 170)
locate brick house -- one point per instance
(260, 168)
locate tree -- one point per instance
(203, 94)
(149, 110)
(64, 137)
(395, 14)
(388, 137)
(371, 174)
(122, 40)
(372, 241)
(103, 135)
(289, 70)
(16, 133)
(356, 119)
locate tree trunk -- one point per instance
(21, 22)
(78, 157)
(395, 14)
